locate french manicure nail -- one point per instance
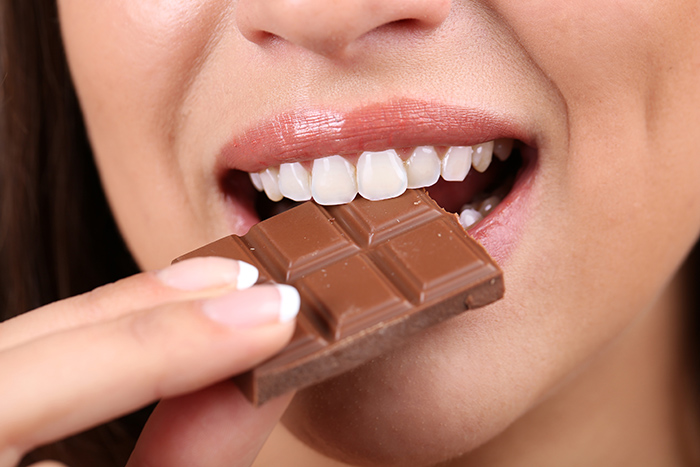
(208, 273)
(254, 307)
(289, 302)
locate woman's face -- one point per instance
(603, 97)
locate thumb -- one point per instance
(213, 427)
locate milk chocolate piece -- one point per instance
(370, 274)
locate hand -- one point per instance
(177, 334)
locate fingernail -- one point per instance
(208, 273)
(264, 304)
(289, 302)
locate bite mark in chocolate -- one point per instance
(369, 273)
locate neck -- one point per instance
(634, 404)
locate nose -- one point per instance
(328, 27)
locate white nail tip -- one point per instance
(294, 182)
(333, 181)
(270, 181)
(381, 175)
(289, 302)
(256, 180)
(423, 167)
(456, 163)
(482, 155)
(247, 275)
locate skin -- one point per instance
(141, 332)
(582, 358)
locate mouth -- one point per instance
(471, 163)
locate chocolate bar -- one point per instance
(369, 273)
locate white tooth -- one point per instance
(488, 204)
(456, 163)
(502, 148)
(469, 217)
(295, 182)
(381, 175)
(333, 180)
(482, 155)
(423, 167)
(257, 182)
(270, 183)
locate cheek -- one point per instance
(132, 63)
(135, 50)
(612, 62)
(598, 47)
(628, 74)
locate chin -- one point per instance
(400, 409)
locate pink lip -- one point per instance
(499, 231)
(309, 134)
(304, 135)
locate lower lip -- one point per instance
(500, 230)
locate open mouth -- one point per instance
(468, 180)
(475, 163)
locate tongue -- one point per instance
(451, 196)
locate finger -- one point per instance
(181, 281)
(66, 382)
(216, 427)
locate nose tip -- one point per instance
(327, 27)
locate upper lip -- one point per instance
(308, 134)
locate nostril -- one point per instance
(407, 27)
(326, 27)
(406, 23)
(262, 38)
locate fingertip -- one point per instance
(256, 306)
(210, 272)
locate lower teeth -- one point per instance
(469, 217)
(488, 205)
(472, 213)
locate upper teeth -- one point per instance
(381, 175)
(333, 181)
(376, 175)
